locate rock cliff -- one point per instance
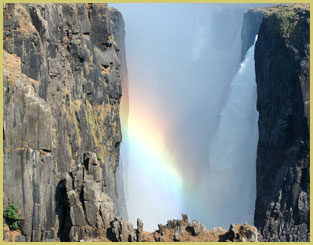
(252, 20)
(62, 133)
(282, 210)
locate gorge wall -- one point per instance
(62, 133)
(282, 54)
(282, 208)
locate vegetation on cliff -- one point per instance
(11, 216)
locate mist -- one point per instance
(192, 124)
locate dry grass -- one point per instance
(24, 20)
(12, 234)
(12, 64)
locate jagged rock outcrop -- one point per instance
(178, 231)
(62, 90)
(120, 230)
(252, 20)
(282, 210)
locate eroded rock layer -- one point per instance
(62, 134)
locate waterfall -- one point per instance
(232, 162)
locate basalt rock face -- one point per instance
(252, 20)
(282, 210)
(62, 90)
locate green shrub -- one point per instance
(11, 217)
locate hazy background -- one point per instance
(192, 126)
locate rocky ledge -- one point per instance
(174, 231)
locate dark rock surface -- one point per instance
(282, 211)
(62, 91)
(252, 20)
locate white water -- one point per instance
(232, 163)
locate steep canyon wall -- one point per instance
(282, 66)
(62, 133)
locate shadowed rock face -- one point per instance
(282, 210)
(252, 20)
(62, 90)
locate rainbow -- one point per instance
(149, 159)
(147, 146)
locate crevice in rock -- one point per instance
(63, 212)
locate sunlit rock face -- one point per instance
(282, 211)
(62, 134)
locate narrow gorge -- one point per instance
(67, 114)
